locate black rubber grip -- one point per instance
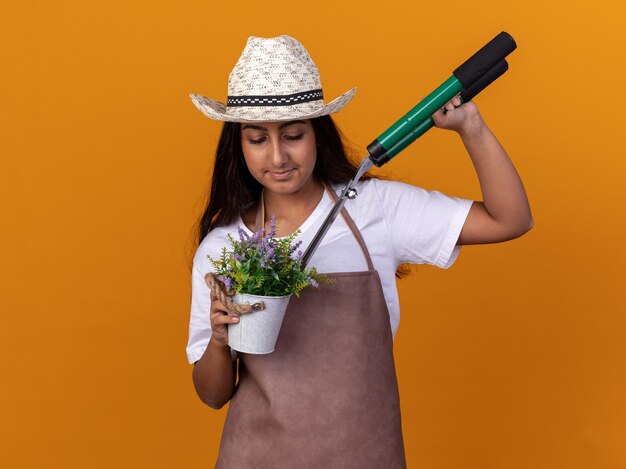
(377, 151)
(484, 81)
(485, 59)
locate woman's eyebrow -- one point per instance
(287, 124)
(282, 126)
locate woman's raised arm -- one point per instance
(504, 212)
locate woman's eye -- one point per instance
(260, 140)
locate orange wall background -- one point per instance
(513, 358)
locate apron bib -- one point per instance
(327, 397)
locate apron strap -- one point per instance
(355, 231)
(260, 223)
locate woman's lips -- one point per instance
(280, 175)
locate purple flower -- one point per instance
(237, 257)
(243, 236)
(267, 250)
(313, 283)
(273, 226)
(227, 281)
(257, 236)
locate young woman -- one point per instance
(327, 396)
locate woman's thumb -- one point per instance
(439, 118)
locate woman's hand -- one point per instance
(220, 318)
(464, 119)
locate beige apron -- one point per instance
(327, 397)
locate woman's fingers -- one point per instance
(219, 313)
(219, 318)
(453, 104)
(447, 117)
(439, 118)
(442, 119)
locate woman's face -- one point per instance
(280, 155)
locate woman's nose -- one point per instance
(278, 153)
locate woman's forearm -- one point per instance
(503, 192)
(214, 375)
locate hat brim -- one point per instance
(218, 111)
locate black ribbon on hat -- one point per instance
(279, 100)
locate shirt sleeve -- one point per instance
(423, 225)
(200, 319)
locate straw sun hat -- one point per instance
(274, 80)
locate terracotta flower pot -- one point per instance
(257, 332)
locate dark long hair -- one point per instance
(234, 190)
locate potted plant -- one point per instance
(262, 272)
